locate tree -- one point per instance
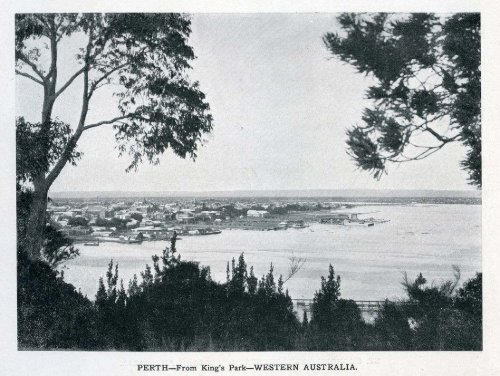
(326, 299)
(427, 90)
(469, 298)
(57, 248)
(238, 282)
(144, 56)
(138, 217)
(336, 323)
(252, 282)
(442, 317)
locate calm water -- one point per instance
(370, 260)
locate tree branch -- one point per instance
(29, 76)
(110, 121)
(94, 86)
(42, 20)
(429, 150)
(70, 81)
(441, 138)
(32, 65)
(71, 144)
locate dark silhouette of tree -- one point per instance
(50, 312)
(144, 56)
(147, 277)
(393, 328)
(470, 296)
(326, 298)
(57, 247)
(336, 323)
(252, 282)
(427, 90)
(435, 316)
(133, 286)
(183, 309)
(238, 283)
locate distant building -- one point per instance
(123, 215)
(76, 231)
(62, 223)
(185, 217)
(68, 214)
(132, 223)
(53, 208)
(97, 210)
(78, 212)
(257, 213)
(104, 233)
(98, 228)
(150, 231)
(159, 216)
(343, 215)
(142, 209)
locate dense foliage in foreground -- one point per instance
(178, 307)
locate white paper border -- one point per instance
(13, 362)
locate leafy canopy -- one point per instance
(144, 56)
(427, 90)
(30, 155)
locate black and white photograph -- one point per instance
(265, 182)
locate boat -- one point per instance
(92, 244)
(212, 232)
(358, 223)
(133, 241)
(111, 239)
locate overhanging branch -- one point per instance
(32, 65)
(70, 81)
(94, 86)
(104, 122)
(30, 77)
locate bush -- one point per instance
(51, 314)
(336, 324)
(433, 317)
(392, 328)
(178, 307)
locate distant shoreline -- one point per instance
(305, 193)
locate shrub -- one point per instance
(51, 314)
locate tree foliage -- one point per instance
(433, 316)
(427, 86)
(57, 248)
(31, 158)
(144, 57)
(336, 323)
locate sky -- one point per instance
(281, 105)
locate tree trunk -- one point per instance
(36, 224)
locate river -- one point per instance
(370, 260)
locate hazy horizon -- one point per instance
(274, 193)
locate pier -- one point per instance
(368, 308)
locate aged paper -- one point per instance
(223, 58)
